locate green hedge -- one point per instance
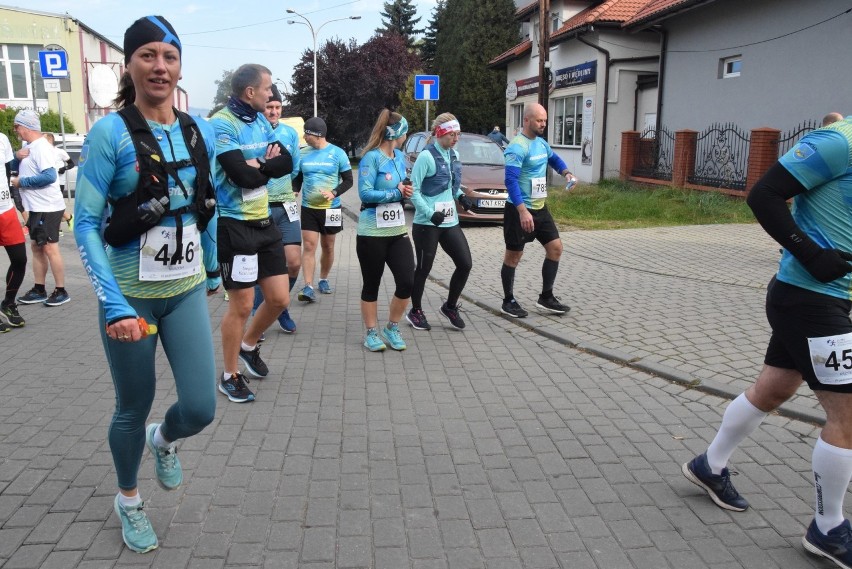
(49, 123)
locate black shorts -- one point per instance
(544, 228)
(795, 315)
(314, 220)
(44, 226)
(237, 239)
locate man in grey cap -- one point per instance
(38, 183)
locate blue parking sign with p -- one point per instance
(53, 64)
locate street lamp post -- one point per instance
(314, 33)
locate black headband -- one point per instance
(147, 30)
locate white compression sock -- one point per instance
(738, 422)
(832, 471)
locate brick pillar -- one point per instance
(762, 153)
(684, 157)
(629, 153)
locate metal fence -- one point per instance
(721, 157)
(792, 136)
(656, 152)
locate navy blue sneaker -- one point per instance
(837, 545)
(718, 486)
(287, 324)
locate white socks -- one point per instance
(159, 440)
(246, 348)
(129, 501)
(832, 471)
(738, 422)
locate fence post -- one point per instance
(684, 157)
(629, 153)
(762, 153)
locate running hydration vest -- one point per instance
(125, 223)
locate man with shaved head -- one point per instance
(526, 217)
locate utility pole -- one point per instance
(543, 51)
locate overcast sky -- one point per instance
(220, 35)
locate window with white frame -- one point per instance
(19, 71)
(568, 120)
(554, 22)
(731, 66)
(517, 123)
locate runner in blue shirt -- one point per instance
(324, 175)
(248, 156)
(436, 177)
(284, 207)
(129, 280)
(526, 217)
(382, 233)
(807, 305)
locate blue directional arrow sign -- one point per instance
(426, 87)
(53, 64)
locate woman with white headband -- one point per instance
(382, 233)
(436, 177)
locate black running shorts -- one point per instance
(237, 240)
(544, 228)
(797, 315)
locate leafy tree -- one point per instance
(399, 18)
(429, 46)
(354, 83)
(223, 91)
(50, 123)
(473, 32)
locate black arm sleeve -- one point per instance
(279, 166)
(297, 182)
(768, 200)
(9, 172)
(243, 175)
(345, 182)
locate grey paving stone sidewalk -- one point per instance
(494, 447)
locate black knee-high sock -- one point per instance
(507, 275)
(548, 277)
(17, 268)
(293, 282)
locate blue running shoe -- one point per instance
(837, 545)
(236, 389)
(287, 324)
(324, 287)
(372, 341)
(136, 528)
(307, 294)
(33, 296)
(718, 486)
(57, 298)
(169, 472)
(391, 335)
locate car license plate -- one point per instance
(492, 203)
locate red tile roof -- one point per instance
(511, 54)
(608, 12)
(657, 9)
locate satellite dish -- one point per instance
(103, 85)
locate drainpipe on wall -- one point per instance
(664, 41)
(605, 99)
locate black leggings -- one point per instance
(453, 242)
(373, 253)
(17, 268)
